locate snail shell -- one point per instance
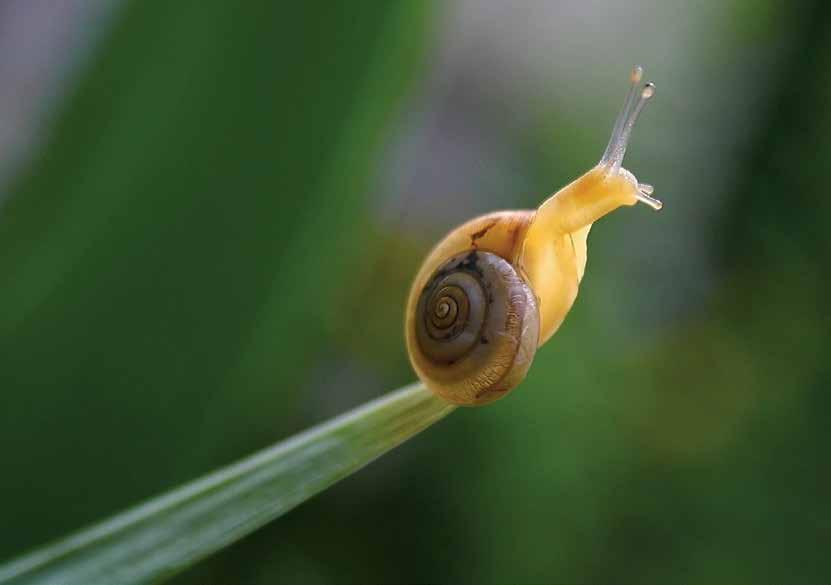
(483, 251)
(475, 328)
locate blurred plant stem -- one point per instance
(170, 532)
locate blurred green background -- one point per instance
(210, 213)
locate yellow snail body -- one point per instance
(499, 286)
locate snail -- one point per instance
(499, 286)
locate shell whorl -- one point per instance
(475, 329)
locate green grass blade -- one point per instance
(170, 532)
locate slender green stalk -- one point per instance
(170, 532)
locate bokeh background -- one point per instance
(210, 213)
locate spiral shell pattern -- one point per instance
(475, 330)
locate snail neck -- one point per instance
(588, 198)
(553, 252)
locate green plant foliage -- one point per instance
(168, 533)
(167, 260)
